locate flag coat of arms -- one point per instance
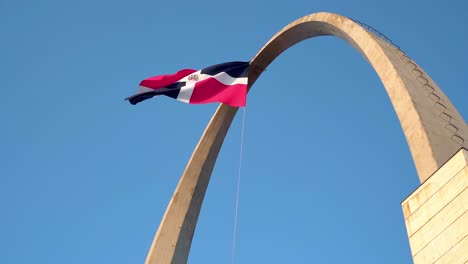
(225, 83)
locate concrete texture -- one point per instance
(433, 128)
(436, 215)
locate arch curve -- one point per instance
(433, 128)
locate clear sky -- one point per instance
(86, 177)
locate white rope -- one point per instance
(238, 188)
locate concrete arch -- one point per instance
(433, 128)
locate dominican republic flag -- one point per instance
(225, 83)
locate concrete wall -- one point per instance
(436, 215)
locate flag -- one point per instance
(225, 83)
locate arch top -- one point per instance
(433, 128)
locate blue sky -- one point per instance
(85, 176)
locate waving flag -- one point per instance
(225, 83)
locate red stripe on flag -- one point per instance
(161, 81)
(211, 90)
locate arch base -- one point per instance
(436, 214)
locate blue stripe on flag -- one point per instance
(235, 69)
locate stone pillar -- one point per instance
(436, 215)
